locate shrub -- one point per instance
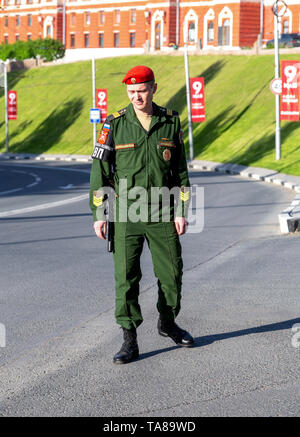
(7, 51)
(23, 50)
(48, 49)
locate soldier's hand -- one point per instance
(100, 229)
(180, 225)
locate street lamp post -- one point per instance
(277, 75)
(64, 24)
(188, 100)
(279, 9)
(261, 31)
(6, 104)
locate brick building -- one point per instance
(132, 25)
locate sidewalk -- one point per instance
(288, 219)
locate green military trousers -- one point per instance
(165, 249)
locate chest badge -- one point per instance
(167, 154)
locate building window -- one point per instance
(29, 2)
(48, 31)
(101, 40)
(286, 26)
(72, 40)
(133, 16)
(87, 18)
(18, 22)
(29, 37)
(157, 35)
(29, 20)
(102, 17)
(116, 39)
(132, 39)
(18, 2)
(6, 21)
(192, 32)
(73, 19)
(224, 34)
(86, 40)
(17, 37)
(211, 31)
(117, 16)
(6, 39)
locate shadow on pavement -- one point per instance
(279, 326)
(209, 339)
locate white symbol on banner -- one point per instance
(197, 87)
(12, 98)
(290, 72)
(101, 98)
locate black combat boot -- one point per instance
(129, 349)
(168, 328)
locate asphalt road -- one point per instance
(240, 301)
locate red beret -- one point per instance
(138, 74)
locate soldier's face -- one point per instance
(141, 95)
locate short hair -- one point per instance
(151, 83)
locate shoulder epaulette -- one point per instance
(116, 114)
(169, 112)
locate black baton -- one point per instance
(110, 223)
(110, 236)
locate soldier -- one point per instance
(142, 146)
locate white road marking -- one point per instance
(37, 180)
(43, 206)
(67, 187)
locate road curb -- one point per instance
(289, 218)
(45, 157)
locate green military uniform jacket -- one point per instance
(145, 159)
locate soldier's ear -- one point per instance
(154, 88)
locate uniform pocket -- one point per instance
(126, 156)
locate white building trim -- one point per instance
(157, 16)
(73, 55)
(48, 22)
(287, 2)
(226, 14)
(288, 15)
(190, 16)
(209, 16)
(210, 3)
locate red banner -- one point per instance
(12, 105)
(197, 99)
(101, 103)
(289, 108)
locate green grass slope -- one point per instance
(54, 102)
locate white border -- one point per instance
(190, 16)
(209, 16)
(157, 16)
